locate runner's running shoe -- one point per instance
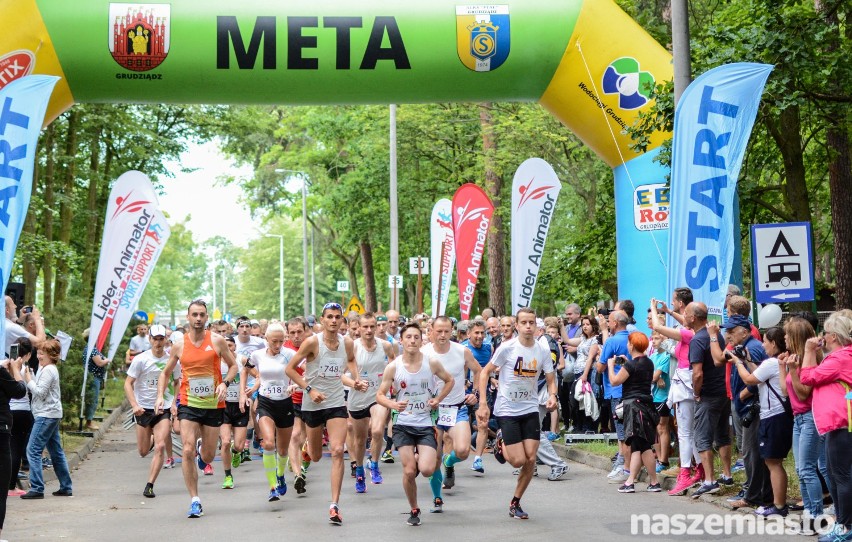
(228, 483)
(477, 466)
(147, 492)
(299, 484)
(360, 482)
(449, 473)
(498, 448)
(516, 512)
(273, 495)
(437, 506)
(195, 510)
(201, 464)
(236, 458)
(208, 470)
(387, 457)
(414, 517)
(334, 516)
(375, 473)
(169, 463)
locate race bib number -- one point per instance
(275, 390)
(152, 382)
(233, 394)
(201, 386)
(329, 370)
(447, 415)
(417, 402)
(372, 383)
(521, 390)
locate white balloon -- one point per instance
(769, 315)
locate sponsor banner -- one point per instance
(149, 252)
(132, 224)
(651, 207)
(23, 103)
(535, 189)
(713, 121)
(472, 211)
(443, 254)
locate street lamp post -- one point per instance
(306, 278)
(280, 275)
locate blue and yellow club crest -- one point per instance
(482, 36)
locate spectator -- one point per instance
(47, 411)
(569, 328)
(629, 309)
(808, 444)
(660, 391)
(615, 345)
(22, 418)
(15, 331)
(682, 395)
(757, 490)
(832, 381)
(588, 351)
(96, 364)
(640, 417)
(681, 298)
(492, 333)
(712, 406)
(11, 387)
(776, 425)
(139, 343)
(507, 328)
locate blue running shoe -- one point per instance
(201, 464)
(375, 473)
(477, 465)
(360, 481)
(738, 466)
(273, 495)
(282, 485)
(195, 510)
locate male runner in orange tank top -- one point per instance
(202, 395)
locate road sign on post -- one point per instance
(342, 285)
(394, 282)
(782, 262)
(418, 266)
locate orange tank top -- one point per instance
(200, 374)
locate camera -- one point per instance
(14, 351)
(620, 360)
(604, 312)
(740, 351)
(752, 414)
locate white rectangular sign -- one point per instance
(342, 285)
(395, 281)
(781, 256)
(418, 265)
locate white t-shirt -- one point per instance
(14, 332)
(246, 349)
(767, 372)
(453, 362)
(140, 344)
(273, 380)
(146, 369)
(519, 366)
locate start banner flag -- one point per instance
(472, 212)
(535, 189)
(713, 122)
(23, 103)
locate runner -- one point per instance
(274, 407)
(298, 331)
(140, 387)
(411, 376)
(519, 362)
(453, 414)
(202, 395)
(235, 420)
(371, 356)
(327, 356)
(481, 353)
(247, 343)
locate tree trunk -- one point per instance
(787, 133)
(369, 276)
(66, 207)
(493, 186)
(92, 217)
(49, 201)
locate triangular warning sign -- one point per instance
(781, 241)
(355, 305)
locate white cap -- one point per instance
(157, 331)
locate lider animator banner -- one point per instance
(472, 212)
(535, 189)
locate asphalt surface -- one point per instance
(108, 505)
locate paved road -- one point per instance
(107, 505)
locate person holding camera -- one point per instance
(832, 402)
(11, 387)
(775, 429)
(757, 489)
(640, 416)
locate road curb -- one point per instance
(666, 481)
(76, 457)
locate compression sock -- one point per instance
(452, 459)
(388, 443)
(269, 466)
(435, 482)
